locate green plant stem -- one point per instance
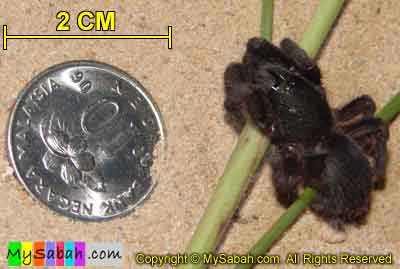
(387, 114)
(245, 158)
(266, 19)
(320, 25)
(390, 111)
(281, 225)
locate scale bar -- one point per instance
(7, 37)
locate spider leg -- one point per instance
(304, 64)
(360, 106)
(260, 50)
(237, 89)
(372, 135)
(260, 111)
(286, 177)
(289, 54)
(245, 99)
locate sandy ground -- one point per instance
(361, 57)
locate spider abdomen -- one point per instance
(345, 183)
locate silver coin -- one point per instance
(81, 139)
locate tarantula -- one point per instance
(339, 152)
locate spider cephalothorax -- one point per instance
(339, 152)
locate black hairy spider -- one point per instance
(339, 152)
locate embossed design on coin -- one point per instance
(81, 139)
(66, 153)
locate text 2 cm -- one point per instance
(88, 20)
